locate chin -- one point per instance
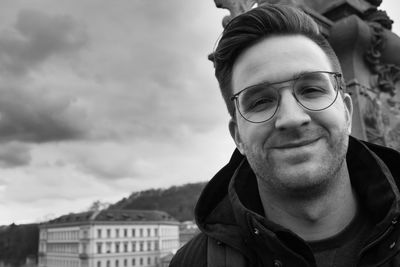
(307, 180)
(302, 180)
(302, 186)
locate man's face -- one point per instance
(297, 150)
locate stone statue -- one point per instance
(237, 7)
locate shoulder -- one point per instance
(193, 254)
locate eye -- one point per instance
(312, 91)
(261, 104)
(258, 99)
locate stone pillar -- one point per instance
(368, 53)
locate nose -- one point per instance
(290, 114)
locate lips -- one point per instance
(296, 143)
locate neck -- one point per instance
(313, 218)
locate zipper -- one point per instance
(377, 240)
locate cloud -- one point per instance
(14, 155)
(163, 85)
(105, 160)
(36, 37)
(103, 168)
(50, 185)
(147, 88)
(30, 109)
(39, 116)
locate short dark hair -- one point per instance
(256, 25)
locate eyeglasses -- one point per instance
(314, 91)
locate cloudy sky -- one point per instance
(102, 98)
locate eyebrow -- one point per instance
(295, 76)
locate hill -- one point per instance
(178, 201)
(17, 242)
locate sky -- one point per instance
(99, 99)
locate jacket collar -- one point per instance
(230, 215)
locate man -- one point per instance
(301, 191)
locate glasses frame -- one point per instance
(336, 75)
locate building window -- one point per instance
(125, 232)
(141, 261)
(133, 246)
(108, 247)
(99, 264)
(116, 263)
(116, 232)
(156, 245)
(85, 234)
(155, 231)
(125, 263)
(133, 232)
(108, 233)
(99, 233)
(117, 247)
(99, 246)
(126, 247)
(108, 263)
(140, 232)
(149, 245)
(148, 260)
(141, 246)
(133, 262)
(148, 232)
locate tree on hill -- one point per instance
(98, 205)
(17, 242)
(178, 201)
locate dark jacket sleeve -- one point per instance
(193, 254)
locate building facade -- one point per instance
(110, 238)
(187, 230)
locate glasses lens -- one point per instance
(258, 103)
(316, 91)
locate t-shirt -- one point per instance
(342, 249)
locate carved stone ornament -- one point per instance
(237, 7)
(373, 117)
(382, 113)
(394, 137)
(378, 16)
(388, 75)
(375, 2)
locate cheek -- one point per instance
(332, 119)
(254, 135)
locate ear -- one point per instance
(348, 106)
(233, 129)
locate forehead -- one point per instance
(277, 59)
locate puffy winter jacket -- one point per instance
(230, 212)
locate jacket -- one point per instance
(230, 212)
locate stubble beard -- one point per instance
(312, 183)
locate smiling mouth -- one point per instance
(296, 144)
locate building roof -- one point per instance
(114, 216)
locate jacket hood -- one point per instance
(215, 213)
